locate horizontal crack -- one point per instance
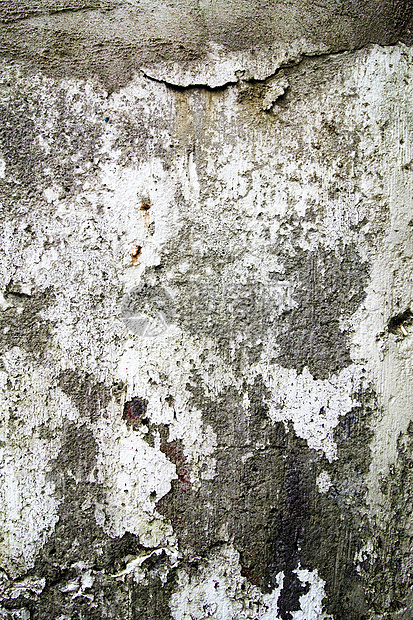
(293, 62)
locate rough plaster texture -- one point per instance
(206, 311)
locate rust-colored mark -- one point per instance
(248, 572)
(134, 411)
(145, 210)
(174, 452)
(136, 252)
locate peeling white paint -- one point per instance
(239, 184)
(323, 481)
(389, 358)
(134, 476)
(311, 603)
(29, 400)
(219, 591)
(314, 406)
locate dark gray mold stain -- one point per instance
(152, 601)
(88, 395)
(331, 287)
(260, 503)
(242, 495)
(275, 515)
(31, 169)
(18, 147)
(21, 324)
(77, 539)
(338, 524)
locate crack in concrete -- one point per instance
(293, 62)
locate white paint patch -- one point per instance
(388, 357)
(323, 482)
(134, 476)
(311, 603)
(165, 382)
(314, 406)
(52, 193)
(219, 591)
(29, 401)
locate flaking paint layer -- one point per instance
(205, 412)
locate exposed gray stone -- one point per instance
(113, 38)
(205, 310)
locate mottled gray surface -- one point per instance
(112, 38)
(206, 311)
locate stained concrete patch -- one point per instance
(89, 395)
(187, 43)
(331, 288)
(255, 233)
(265, 499)
(21, 322)
(79, 558)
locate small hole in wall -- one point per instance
(134, 410)
(399, 323)
(152, 496)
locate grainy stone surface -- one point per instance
(186, 42)
(206, 312)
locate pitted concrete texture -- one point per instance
(206, 311)
(187, 43)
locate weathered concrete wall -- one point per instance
(206, 311)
